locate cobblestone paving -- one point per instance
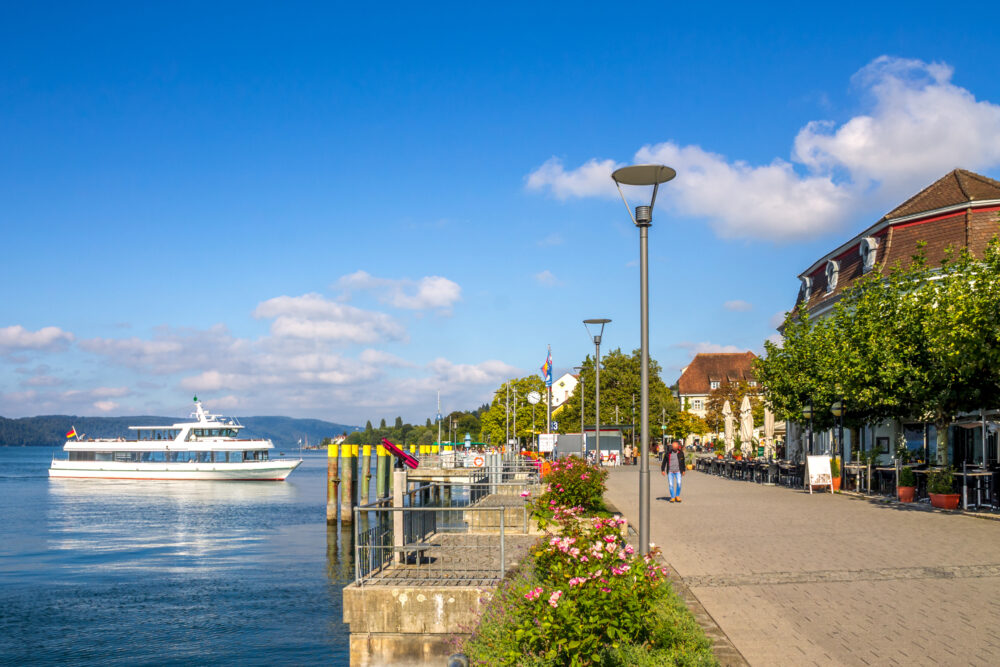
(799, 579)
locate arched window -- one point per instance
(867, 250)
(807, 284)
(832, 272)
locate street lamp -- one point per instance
(838, 411)
(583, 430)
(643, 175)
(598, 325)
(807, 412)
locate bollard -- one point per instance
(398, 491)
(381, 472)
(366, 473)
(332, 483)
(349, 468)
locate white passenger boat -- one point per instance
(206, 449)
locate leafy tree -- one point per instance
(915, 343)
(515, 415)
(734, 393)
(685, 423)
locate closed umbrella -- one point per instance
(746, 424)
(768, 431)
(727, 414)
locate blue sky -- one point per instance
(334, 211)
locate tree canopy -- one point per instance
(920, 343)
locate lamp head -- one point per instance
(807, 411)
(642, 175)
(598, 325)
(837, 409)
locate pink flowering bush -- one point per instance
(572, 482)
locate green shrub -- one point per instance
(573, 483)
(941, 481)
(834, 467)
(906, 477)
(589, 600)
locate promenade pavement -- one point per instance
(800, 579)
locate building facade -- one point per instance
(959, 210)
(710, 371)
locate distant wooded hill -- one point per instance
(50, 430)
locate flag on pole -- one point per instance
(547, 369)
(71, 434)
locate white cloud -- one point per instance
(917, 126)
(777, 319)
(706, 347)
(18, 339)
(546, 279)
(592, 178)
(738, 305)
(551, 240)
(170, 350)
(428, 293)
(311, 316)
(379, 357)
(105, 406)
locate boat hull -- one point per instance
(263, 471)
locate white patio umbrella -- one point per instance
(727, 414)
(746, 424)
(768, 432)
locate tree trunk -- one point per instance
(941, 424)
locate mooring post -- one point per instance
(366, 472)
(381, 472)
(398, 491)
(332, 482)
(349, 468)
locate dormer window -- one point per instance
(714, 384)
(807, 285)
(832, 272)
(867, 250)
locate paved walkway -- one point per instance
(795, 579)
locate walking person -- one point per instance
(673, 468)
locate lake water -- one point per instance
(148, 572)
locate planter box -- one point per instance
(906, 493)
(945, 501)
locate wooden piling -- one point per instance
(366, 472)
(332, 483)
(347, 478)
(381, 472)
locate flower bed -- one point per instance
(585, 597)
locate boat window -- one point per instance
(81, 456)
(204, 457)
(235, 457)
(102, 456)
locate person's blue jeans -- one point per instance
(674, 484)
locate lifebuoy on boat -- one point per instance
(478, 462)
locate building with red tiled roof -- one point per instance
(708, 371)
(959, 210)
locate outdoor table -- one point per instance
(858, 472)
(978, 477)
(921, 477)
(886, 476)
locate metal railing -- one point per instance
(429, 551)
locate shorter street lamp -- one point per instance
(583, 431)
(807, 412)
(838, 411)
(598, 325)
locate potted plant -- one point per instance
(835, 473)
(940, 487)
(737, 448)
(907, 485)
(720, 449)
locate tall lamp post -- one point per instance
(598, 325)
(807, 412)
(583, 430)
(643, 175)
(838, 411)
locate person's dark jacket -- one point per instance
(665, 463)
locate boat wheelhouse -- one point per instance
(208, 448)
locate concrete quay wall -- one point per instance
(406, 626)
